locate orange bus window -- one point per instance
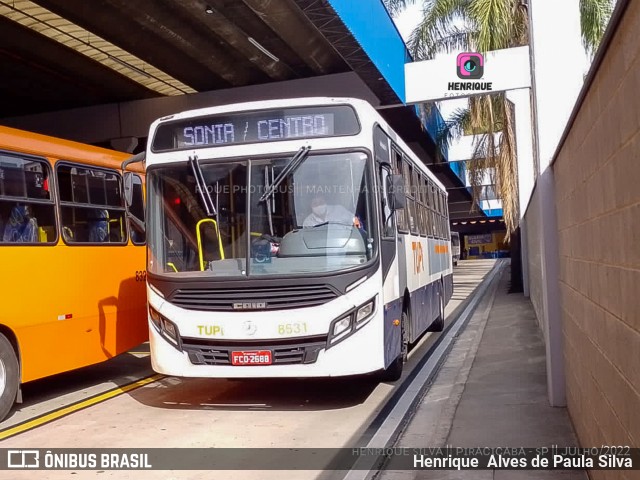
(27, 213)
(91, 205)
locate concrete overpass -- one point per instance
(99, 72)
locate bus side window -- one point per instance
(432, 210)
(91, 205)
(401, 214)
(445, 224)
(436, 196)
(411, 206)
(441, 213)
(27, 213)
(442, 216)
(446, 212)
(422, 214)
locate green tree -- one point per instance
(594, 18)
(482, 26)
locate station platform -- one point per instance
(491, 391)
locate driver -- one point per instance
(323, 213)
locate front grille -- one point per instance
(273, 298)
(285, 352)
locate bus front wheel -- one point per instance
(8, 376)
(438, 323)
(394, 371)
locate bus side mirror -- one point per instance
(128, 189)
(128, 177)
(397, 195)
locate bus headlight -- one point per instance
(165, 327)
(341, 326)
(155, 317)
(170, 329)
(365, 312)
(345, 326)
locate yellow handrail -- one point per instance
(170, 264)
(119, 222)
(199, 238)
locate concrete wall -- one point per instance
(597, 176)
(533, 220)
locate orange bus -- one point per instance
(73, 267)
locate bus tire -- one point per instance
(404, 335)
(394, 371)
(9, 376)
(438, 323)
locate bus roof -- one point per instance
(22, 141)
(264, 105)
(362, 105)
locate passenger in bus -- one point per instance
(323, 213)
(99, 226)
(22, 227)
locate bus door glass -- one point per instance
(183, 238)
(381, 152)
(136, 210)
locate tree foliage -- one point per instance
(483, 26)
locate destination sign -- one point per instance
(255, 127)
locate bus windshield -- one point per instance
(318, 218)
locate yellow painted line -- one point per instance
(64, 411)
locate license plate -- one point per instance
(259, 357)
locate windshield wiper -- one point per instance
(205, 196)
(330, 222)
(291, 167)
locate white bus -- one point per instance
(291, 238)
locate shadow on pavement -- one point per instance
(255, 394)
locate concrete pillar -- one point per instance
(556, 388)
(524, 145)
(521, 99)
(524, 256)
(557, 69)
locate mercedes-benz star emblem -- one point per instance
(249, 327)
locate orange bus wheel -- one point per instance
(9, 369)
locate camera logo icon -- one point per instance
(470, 66)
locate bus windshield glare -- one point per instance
(318, 218)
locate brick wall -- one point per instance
(598, 206)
